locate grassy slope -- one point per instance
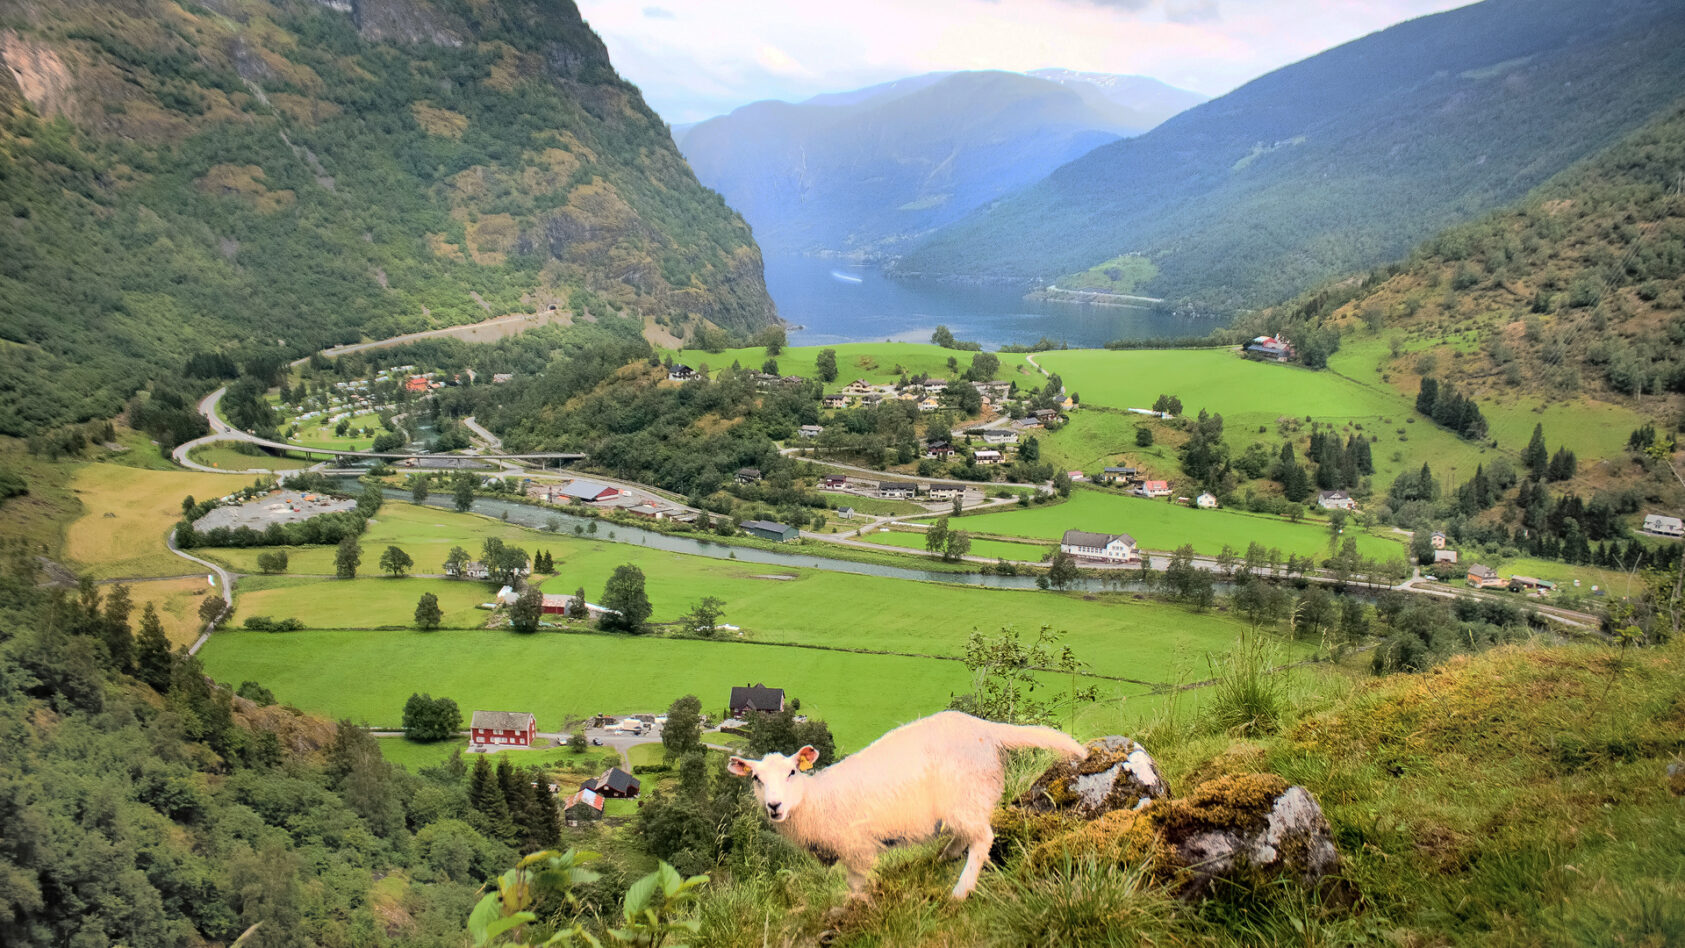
(1159, 525)
(223, 456)
(1511, 799)
(143, 505)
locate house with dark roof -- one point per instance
(748, 475)
(754, 698)
(835, 400)
(898, 490)
(681, 372)
(1108, 547)
(489, 729)
(768, 530)
(613, 783)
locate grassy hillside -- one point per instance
(285, 176)
(1344, 160)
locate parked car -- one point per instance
(597, 741)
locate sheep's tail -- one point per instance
(1014, 736)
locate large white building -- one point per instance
(1110, 547)
(1664, 526)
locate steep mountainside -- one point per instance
(1579, 288)
(1344, 160)
(273, 177)
(866, 170)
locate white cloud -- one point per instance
(698, 58)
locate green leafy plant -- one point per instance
(649, 915)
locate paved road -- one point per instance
(226, 581)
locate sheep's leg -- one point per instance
(981, 837)
(859, 870)
(955, 848)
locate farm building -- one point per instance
(1075, 477)
(755, 697)
(1529, 583)
(1664, 526)
(811, 431)
(1269, 349)
(1206, 501)
(555, 605)
(898, 490)
(614, 783)
(652, 511)
(847, 513)
(1153, 489)
(768, 530)
(1111, 547)
(1117, 473)
(1483, 576)
(1445, 556)
(584, 806)
(748, 475)
(587, 491)
(1335, 500)
(488, 729)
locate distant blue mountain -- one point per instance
(866, 170)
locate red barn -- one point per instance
(502, 729)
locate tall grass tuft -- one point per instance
(1084, 903)
(1248, 699)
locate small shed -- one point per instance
(748, 475)
(584, 806)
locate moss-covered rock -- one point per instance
(1117, 774)
(1244, 828)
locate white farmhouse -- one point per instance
(1112, 548)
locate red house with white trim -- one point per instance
(502, 729)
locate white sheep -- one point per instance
(943, 772)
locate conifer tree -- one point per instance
(485, 794)
(152, 651)
(1536, 458)
(119, 641)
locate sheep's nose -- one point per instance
(772, 808)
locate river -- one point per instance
(835, 301)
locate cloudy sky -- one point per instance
(699, 58)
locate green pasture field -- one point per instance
(1027, 552)
(417, 755)
(1118, 635)
(1157, 525)
(367, 602)
(1093, 440)
(366, 677)
(1117, 275)
(874, 506)
(1253, 395)
(223, 455)
(873, 361)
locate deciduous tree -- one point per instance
(428, 615)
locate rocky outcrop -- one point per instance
(404, 21)
(1118, 774)
(1116, 806)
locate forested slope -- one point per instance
(279, 176)
(1344, 160)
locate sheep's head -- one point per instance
(779, 783)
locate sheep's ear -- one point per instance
(806, 757)
(738, 767)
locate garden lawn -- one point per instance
(142, 505)
(367, 676)
(1003, 549)
(1252, 395)
(1157, 525)
(367, 602)
(876, 362)
(1093, 440)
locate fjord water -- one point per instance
(836, 301)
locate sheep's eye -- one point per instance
(757, 778)
(792, 773)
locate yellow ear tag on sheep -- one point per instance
(804, 763)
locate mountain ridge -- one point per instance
(1340, 161)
